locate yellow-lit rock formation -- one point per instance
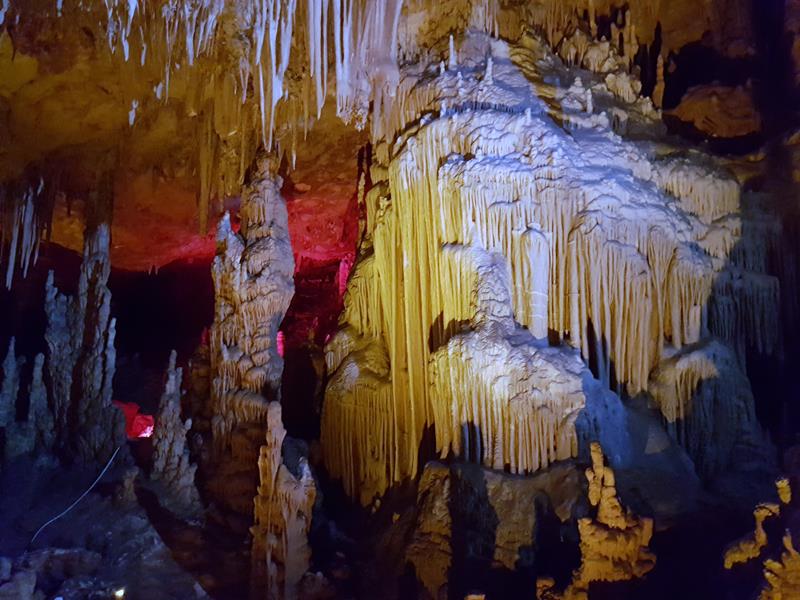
(282, 517)
(487, 215)
(613, 543)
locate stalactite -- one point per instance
(172, 467)
(18, 209)
(282, 517)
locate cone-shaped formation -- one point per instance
(611, 245)
(253, 281)
(613, 543)
(36, 431)
(81, 360)
(280, 554)
(39, 412)
(171, 465)
(10, 386)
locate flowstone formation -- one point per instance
(81, 359)
(508, 207)
(172, 467)
(282, 517)
(614, 543)
(708, 407)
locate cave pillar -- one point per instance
(253, 275)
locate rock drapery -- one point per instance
(708, 406)
(621, 251)
(527, 229)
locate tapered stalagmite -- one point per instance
(172, 467)
(10, 386)
(782, 577)
(39, 412)
(81, 359)
(34, 431)
(781, 560)
(253, 281)
(282, 517)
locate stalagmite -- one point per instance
(782, 576)
(172, 467)
(752, 546)
(658, 91)
(10, 386)
(614, 543)
(282, 517)
(81, 360)
(34, 431)
(39, 412)
(253, 281)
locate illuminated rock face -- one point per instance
(613, 543)
(719, 111)
(493, 226)
(253, 288)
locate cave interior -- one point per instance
(436, 299)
